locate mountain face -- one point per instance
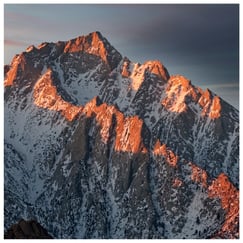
(96, 146)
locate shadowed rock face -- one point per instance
(26, 230)
(96, 146)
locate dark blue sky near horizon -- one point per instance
(199, 41)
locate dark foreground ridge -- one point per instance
(26, 230)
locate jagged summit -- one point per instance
(94, 43)
(98, 146)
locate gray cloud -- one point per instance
(14, 43)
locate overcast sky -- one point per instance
(198, 41)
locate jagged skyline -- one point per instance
(196, 41)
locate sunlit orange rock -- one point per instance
(128, 129)
(97, 43)
(210, 105)
(128, 134)
(198, 175)
(137, 76)
(178, 88)
(205, 101)
(18, 62)
(91, 44)
(125, 70)
(103, 115)
(157, 68)
(205, 98)
(162, 150)
(46, 96)
(223, 189)
(215, 108)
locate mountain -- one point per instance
(97, 146)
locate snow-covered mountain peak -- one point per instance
(138, 73)
(178, 90)
(157, 68)
(97, 146)
(180, 93)
(95, 44)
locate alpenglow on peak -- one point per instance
(98, 146)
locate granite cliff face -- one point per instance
(96, 146)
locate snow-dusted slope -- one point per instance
(97, 146)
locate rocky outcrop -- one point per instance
(26, 230)
(97, 45)
(46, 96)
